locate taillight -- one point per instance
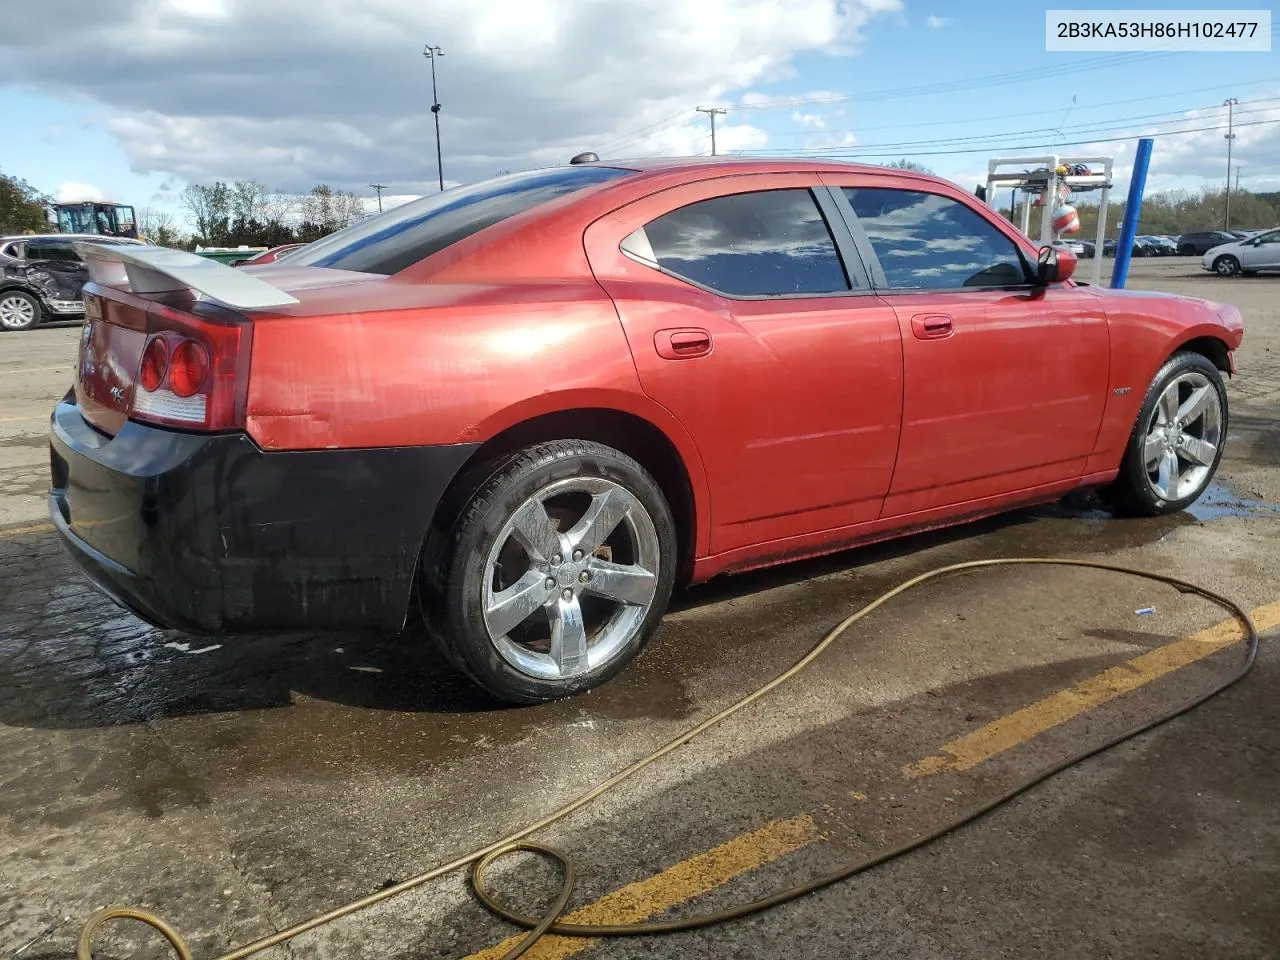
(189, 368)
(194, 371)
(155, 364)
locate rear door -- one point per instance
(748, 324)
(1005, 384)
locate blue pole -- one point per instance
(1132, 209)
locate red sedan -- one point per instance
(532, 405)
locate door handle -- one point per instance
(932, 326)
(682, 344)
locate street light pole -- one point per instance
(379, 187)
(711, 112)
(1229, 103)
(431, 53)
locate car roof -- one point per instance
(749, 165)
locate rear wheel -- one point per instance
(1226, 266)
(556, 575)
(1177, 442)
(18, 310)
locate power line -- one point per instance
(1107, 126)
(1031, 113)
(1094, 63)
(613, 143)
(846, 153)
(639, 133)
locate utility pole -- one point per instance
(1237, 178)
(1230, 104)
(431, 53)
(711, 112)
(379, 187)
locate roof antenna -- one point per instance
(587, 157)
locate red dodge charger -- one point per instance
(531, 405)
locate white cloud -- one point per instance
(295, 92)
(934, 22)
(72, 192)
(809, 120)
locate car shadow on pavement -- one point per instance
(71, 659)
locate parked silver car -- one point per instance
(1259, 252)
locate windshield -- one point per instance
(391, 241)
(77, 219)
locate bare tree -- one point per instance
(905, 164)
(325, 209)
(248, 202)
(210, 210)
(279, 208)
(159, 227)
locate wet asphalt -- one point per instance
(236, 786)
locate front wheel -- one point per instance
(1226, 266)
(1177, 442)
(557, 574)
(18, 310)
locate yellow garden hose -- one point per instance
(482, 858)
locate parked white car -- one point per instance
(1259, 252)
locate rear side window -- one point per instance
(51, 250)
(767, 243)
(390, 241)
(926, 241)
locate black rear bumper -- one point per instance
(211, 534)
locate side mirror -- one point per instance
(1054, 265)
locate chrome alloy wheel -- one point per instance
(570, 578)
(1183, 436)
(16, 313)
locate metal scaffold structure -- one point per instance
(1048, 180)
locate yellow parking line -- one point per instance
(686, 880)
(706, 871)
(34, 528)
(1020, 726)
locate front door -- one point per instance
(746, 323)
(1263, 253)
(1005, 383)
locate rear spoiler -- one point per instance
(147, 269)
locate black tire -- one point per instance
(1226, 266)
(33, 305)
(1131, 492)
(455, 566)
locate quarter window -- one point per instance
(925, 241)
(390, 241)
(766, 243)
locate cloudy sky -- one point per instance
(131, 99)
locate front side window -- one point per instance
(767, 243)
(1272, 237)
(925, 241)
(388, 242)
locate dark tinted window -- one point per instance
(51, 250)
(930, 242)
(773, 242)
(390, 241)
